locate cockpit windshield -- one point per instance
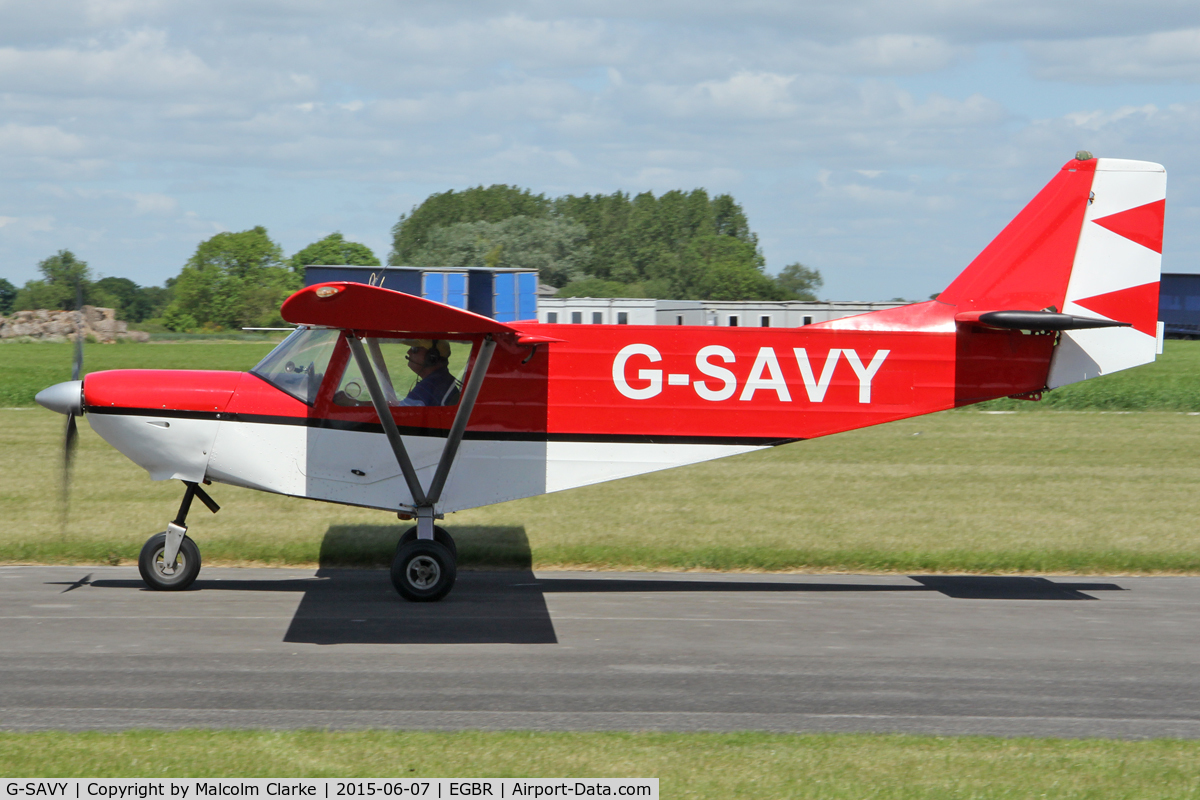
(298, 364)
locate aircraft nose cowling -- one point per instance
(65, 397)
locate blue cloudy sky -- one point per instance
(883, 143)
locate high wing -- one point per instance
(358, 306)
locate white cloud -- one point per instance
(23, 225)
(1160, 56)
(153, 203)
(138, 62)
(37, 140)
(861, 194)
(745, 95)
(886, 54)
(1097, 120)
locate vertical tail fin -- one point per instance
(1090, 245)
(1116, 273)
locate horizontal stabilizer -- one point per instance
(358, 306)
(1036, 320)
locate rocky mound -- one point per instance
(101, 324)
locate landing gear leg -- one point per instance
(424, 567)
(170, 561)
(440, 535)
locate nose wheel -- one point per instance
(170, 561)
(169, 576)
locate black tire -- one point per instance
(150, 564)
(439, 535)
(423, 571)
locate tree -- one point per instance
(683, 245)
(493, 204)
(598, 287)
(643, 239)
(65, 281)
(8, 294)
(719, 267)
(134, 303)
(554, 247)
(334, 249)
(157, 298)
(800, 282)
(232, 280)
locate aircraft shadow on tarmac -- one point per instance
(347, 605)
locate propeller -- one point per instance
(71, 436)
(67, 398)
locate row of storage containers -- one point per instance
(505, 295)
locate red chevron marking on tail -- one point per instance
(1137, 305)
(1143, 224)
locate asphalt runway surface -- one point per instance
(88, 648)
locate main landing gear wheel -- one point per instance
(168, 577)
(423, 570)
(439, 535)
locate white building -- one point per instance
(725, 313)
(598, 310)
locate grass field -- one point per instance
(1171, 383)
(742, 765)
(1083, 492)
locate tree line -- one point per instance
(679, 245)
(233, 280)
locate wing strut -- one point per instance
(385, 417)
(422, 501)
(465, 405)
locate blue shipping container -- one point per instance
(503, 295)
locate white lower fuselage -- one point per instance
(324, 463)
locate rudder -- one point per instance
(1116, 273)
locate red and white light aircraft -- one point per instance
(1068, 291)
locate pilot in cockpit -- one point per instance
(430, 360)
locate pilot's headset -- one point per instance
(438, 353)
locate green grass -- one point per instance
(1172, 383)
(742, 765)
(1068, 492)
(30, 367)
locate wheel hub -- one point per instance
(166, 569)
(423, 572)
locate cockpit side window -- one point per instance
(297, 366)
(411, 372)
